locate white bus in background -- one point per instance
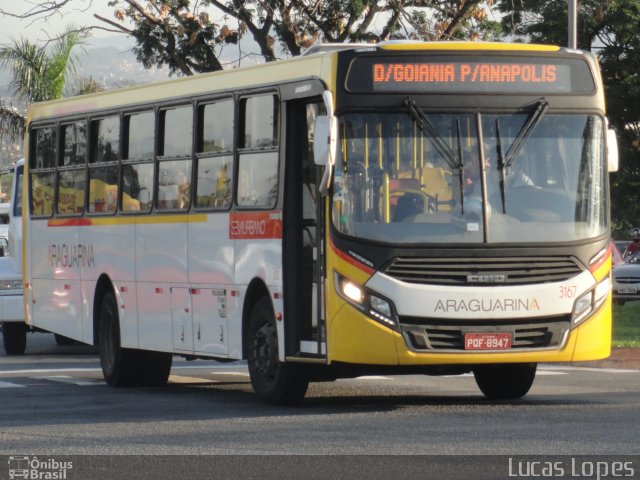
(6, 190)
(14, 329)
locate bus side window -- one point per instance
(43, 162)
(71, 176)
(174, 176)
(215, 162)
(137, 162)
(103, 168)
(258, 159)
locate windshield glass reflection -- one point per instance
(442, 187)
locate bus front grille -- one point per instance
(483, 271)
(423, 334)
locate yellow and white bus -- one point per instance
(434, 208)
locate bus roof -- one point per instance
(319, 62)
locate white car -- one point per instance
(14, 329)
(626, 280)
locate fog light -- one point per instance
(10, 284)
(582, 303)
(380, 305)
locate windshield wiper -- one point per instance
(453, 159)
(501, 165)
(505, 161)
(460, 167)
(526, 131)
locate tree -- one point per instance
(12, 127)
(610, 30)
(40, 73)
(37, 73)
(186, 36)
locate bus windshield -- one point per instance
(458, 177)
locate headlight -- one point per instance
(10, 284)
(352, 291)
(590, 301)
(370, 303)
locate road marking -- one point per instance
(10, 385)
(92, 369)
(181, 379)
(539, 372)
(587, 369)
(373, 377)
(240, 374)
(82, 382)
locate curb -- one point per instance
(621, 357)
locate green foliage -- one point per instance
(609, 29)
(180, 34)
(40, 73)
(626, 325)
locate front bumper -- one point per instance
(356, 339)
(11, 307)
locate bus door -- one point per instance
(303, 255)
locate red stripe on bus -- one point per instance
(255, 225)
(70, 222)
(349, 259)
(605, 257)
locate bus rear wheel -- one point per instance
(273, 381)
(14, 337)
(505, 382)
(154, 368)
(119, 365)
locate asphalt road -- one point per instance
(54, 402)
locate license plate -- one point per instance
(487, 341)
(633, 290)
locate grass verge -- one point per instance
(626, 325)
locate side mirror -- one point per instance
(325, 140)
(612, 150)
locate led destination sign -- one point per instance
(508, 75)
(477, 74)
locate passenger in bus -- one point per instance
(222, 191)
(184, 191)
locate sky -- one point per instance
(79, 12)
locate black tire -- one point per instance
(505, 382)
(273, 381)
(154, 368)
(119, 365)
(14, 338)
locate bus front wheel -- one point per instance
(505, 382)
(14, 337)
(119, 365)
(273, 381)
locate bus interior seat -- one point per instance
(404, 198)
(435, 185)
